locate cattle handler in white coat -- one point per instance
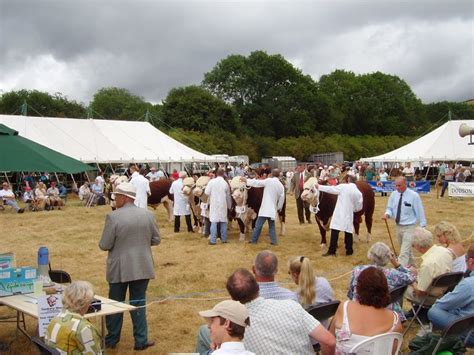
(142, 185)
(272, 202)
(349, 201)
(181, 205)
(219, 202)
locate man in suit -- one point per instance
(128, 235)
(296, 188)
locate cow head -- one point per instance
(201, 184)
(239, 191)
(310, 193)
(188, 186)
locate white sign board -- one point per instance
(48, 307)
(461, 189)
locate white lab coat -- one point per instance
(219, 199)
(143, 189)
(181, 204)
(273, 196)
(349, 200)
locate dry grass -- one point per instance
(185, 264)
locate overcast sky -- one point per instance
(149, 47)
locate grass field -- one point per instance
(186, 266)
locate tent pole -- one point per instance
(427, 171)
(112, 168)
(6, 177)
(74, 185)
(57, 179)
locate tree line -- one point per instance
(262, 105)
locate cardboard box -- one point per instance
(17, 280)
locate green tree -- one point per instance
(270, 95)
(40, 104)
(194, 108)
(118, 104)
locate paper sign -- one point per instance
(49, 307)
(240, 209)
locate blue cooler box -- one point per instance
(17, 280)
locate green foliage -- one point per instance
(270, 95)
(194, 108)
(40, 104)
(118, 104)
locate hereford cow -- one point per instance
(194, 190)
(323, 204)
(247, 204)
(198, 192)
(160, 193)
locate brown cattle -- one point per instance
(160, 193)
(323, 204)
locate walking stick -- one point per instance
(390, 236)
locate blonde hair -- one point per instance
(449, 231)
(306, 281)
(77, 295)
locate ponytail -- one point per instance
(306, 284)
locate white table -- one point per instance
(28, 304)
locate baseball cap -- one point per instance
(231, 310)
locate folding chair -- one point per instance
(446, 281)
(379, 344)
(321, 312)
(457, 327)
(397, 293)
(43, 348)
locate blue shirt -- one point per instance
(412, 209)
(271, 290)
(460, 301)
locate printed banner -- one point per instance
(422, 187)
(48, 307)
(461, 189)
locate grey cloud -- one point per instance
(150, 47)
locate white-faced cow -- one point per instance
(247, 204)
(322, 204)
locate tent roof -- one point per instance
(21, 154)
(441, 144)
(104, 141)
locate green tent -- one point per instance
(21, 154)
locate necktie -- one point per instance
(399, 209)
(301, 182)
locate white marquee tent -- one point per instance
(441, 144)
(104, 141)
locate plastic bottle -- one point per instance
(43, 265)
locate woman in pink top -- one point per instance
(356, 321)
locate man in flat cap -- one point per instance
(128, 235)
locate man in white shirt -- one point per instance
(8, 197)
(153, 175)
(349, 201)
(219, 203)
(181, 205)
(272, 202)
(227, 322)
(142, 185)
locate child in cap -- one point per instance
(227, 322)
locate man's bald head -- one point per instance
(242, 286)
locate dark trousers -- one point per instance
(137, 294)
(300, 206)
(177, 223)
(347, 242)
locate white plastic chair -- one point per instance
(381, 344)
